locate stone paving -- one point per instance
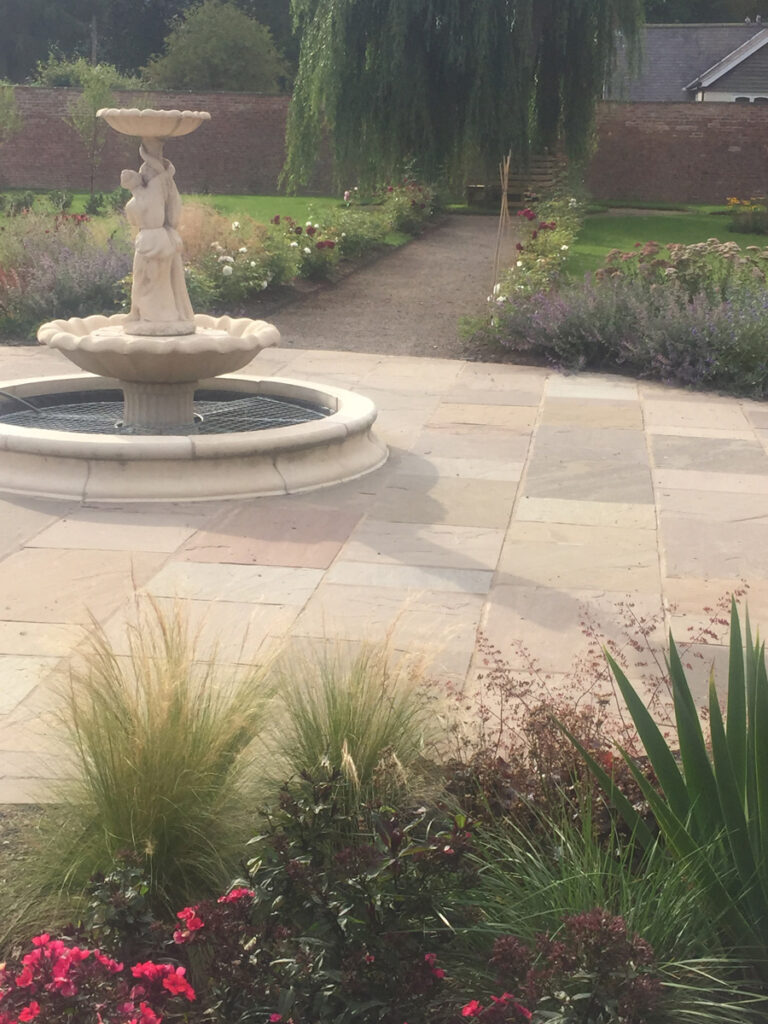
(514, 498)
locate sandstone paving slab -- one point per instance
(701, 480)
(125, 529)
(414, 544)
(606, 443)
(757, 415)
(411, 577)
(716, 506)
(578, 479)
(65, 586)
(508, 417)
(392, 400)
(458, 502)
(699, 609)
(748, 434)
(472, 441)
(248, 584)
(229, 632)
(595, 413)
(694, 413)
(547, 628)
(585, 513)
(19, 675)
(702, 549)
(447, 661)
(412, 372)
(22, 519)
(478, 393)
(47, 639)
(281, 532)
(591, 386)
(570, 557)
(473, 468)
(420, 620)
(711, 454)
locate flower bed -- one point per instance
(693, 315)
(532, 872)
(54, 264)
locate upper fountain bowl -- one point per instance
(153, 124)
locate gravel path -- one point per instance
(408, 302)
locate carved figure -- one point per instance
(159, 299)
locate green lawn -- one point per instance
(264, 208)
(602, 232)
(260, 208)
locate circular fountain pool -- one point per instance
(258, 436)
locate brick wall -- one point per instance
(671, 152)
(241, 149)
(680, 152)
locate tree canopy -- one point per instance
(217, 46)
(126, 33)
(448, 84)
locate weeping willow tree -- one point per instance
(448, 85)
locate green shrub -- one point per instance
(327, 933)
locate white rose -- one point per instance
(226, 270)
(242, 249)
(294, 245)
(226, 259)
(235, 225)
(563, 248)
(307, 251)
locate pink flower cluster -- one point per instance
(505, 1004)
(58, 980)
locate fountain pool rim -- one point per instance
(57, 464)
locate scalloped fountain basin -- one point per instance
(104, 345)
(193, 467)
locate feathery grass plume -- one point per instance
(163, 746)
(362, 715)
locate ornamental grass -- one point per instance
(164, 748)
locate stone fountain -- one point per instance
(165, 359)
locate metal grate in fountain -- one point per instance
(222, 413)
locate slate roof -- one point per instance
(673, 57)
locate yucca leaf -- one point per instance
(731, 808)
(630, 815)
(656, 747)
(736, 722)
(760, 730)
(697, 768)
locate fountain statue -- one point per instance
(164, 357)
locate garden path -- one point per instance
(407, 302)
(515, 501)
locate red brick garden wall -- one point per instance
(672, 152)
(680, 152)
(241, 149)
